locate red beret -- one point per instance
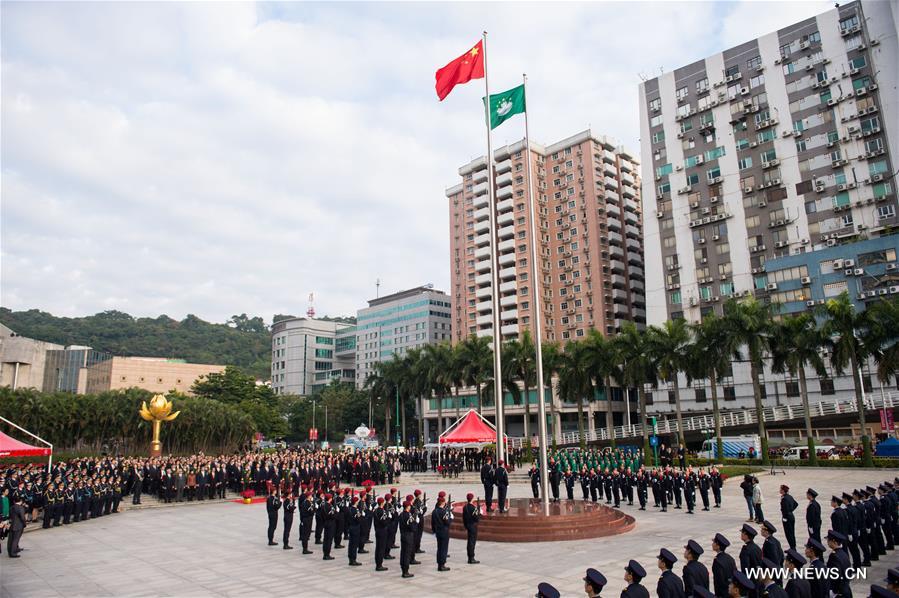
(407, 504)
(387, 497)
(469, 496)
(355, 499)
(393, 490)
(328, 496)
(347, 490)
(409, 498)
(417, 492)
(441, 494)
(380, 499)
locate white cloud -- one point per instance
(226, 158)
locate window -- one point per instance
(655, 121)
(754, 62)
(700, 395)
(756, 81)
(664, 169)
(877, 167)
(675, 298)
(713, 173)
(702, 85)
(732, 71)
(671, 399)
(730, 394)
(792, 389)
(826, 386)
(745, 163)
(849, 23)
(655, 104)
(857, 62)
(885, 212)
(714, 154)
(681, 93)
(658, 137)
(881, 190)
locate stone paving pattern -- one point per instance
(220, 549)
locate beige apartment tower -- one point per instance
(587, 190)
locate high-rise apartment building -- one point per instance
(590, 240)
(307, 354)
(395, 323)
(780, 147)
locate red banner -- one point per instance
(313, 433)
(886, 420)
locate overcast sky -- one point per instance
(224, 158)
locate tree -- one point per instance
(670, 344)
(882, 338)
(748, 322)
(843, 330)
(604, 360)
(796, 342)
(233, 387)
(438, 374)
(710, 357)
(637, 369)
(552, 364)
(520, 356)
(477, 357)
(576, 381)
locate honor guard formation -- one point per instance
(864, 526)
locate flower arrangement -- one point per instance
(248, 495)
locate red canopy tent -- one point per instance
(471, 428)
(10, 447)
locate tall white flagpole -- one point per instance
(494, 278)
(537, 310)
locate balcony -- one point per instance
(618, 281)
(635, 272)
(631, 206)
(480, 188)
(507, 218)
(484, 307)
(482, 214)
(506, 259)
(483, 292)
(619, 295)
(482, 240)
(632, 231)
(508, 286)
(504, 179)
(633, 244)
(613, 210)
(506, 245)
(508, 300)
(631, 218)
(484, 278)
(637, 285)
(615, 238)
(508, 315)
(482, 252)
(479, 176)
(634, 258)
(611, 183)
(612, 196)
(616, 251)
(481, 201)
(484, 264)
(482, 320)
(627, 178)
(509, 330)
(504, 192)
(482, 226)
(507, 273)
(504, 166)
(616, 265)
(506, 232)
(504, 206)
(608, 156)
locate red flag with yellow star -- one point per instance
(461, 70)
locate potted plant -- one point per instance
(248, 495)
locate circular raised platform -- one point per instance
(524, 521)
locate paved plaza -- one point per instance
(220, 550)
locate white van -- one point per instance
(797, 453)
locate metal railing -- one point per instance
(729, 419)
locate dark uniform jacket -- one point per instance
(774, 591)
(772, 550)
(670, 586)
(634, 590)
(723, 568)
(695, 575)
(799, 588)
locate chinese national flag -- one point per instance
(461, 70)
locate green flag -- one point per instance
(506, 105)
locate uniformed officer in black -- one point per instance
(723, 566)
(307, 514)
(354, 527)
(695, 573)
(534, 475)
(488, 479)
(813, 515)
(770, 585)
(796, 587)
(642, 483)
(750, 554)
(272, 506)
(788, 504)
(633, 574)
(892, 580)
(594, 582)
(407, 524)
(501, 477)
(669, 585)
(814, 550)
(690, 492)
(740, 585)
(471, 515)
(545, 590)
(420, 508)
(290, 506)
(839, 559)
(771, 548)
(329, 522)
(381, 521)
(705, 484)
(441, 518)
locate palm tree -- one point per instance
(710, 357)
(637, 369)
(844, 329)
(521, 357)
(552, 363)
(477, 363)
(604, 360)
(669, 344)
(796, 342)
(437, 372)
(883, 341)
(576, 381)
(748, 322)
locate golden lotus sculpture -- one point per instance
(160, 410)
